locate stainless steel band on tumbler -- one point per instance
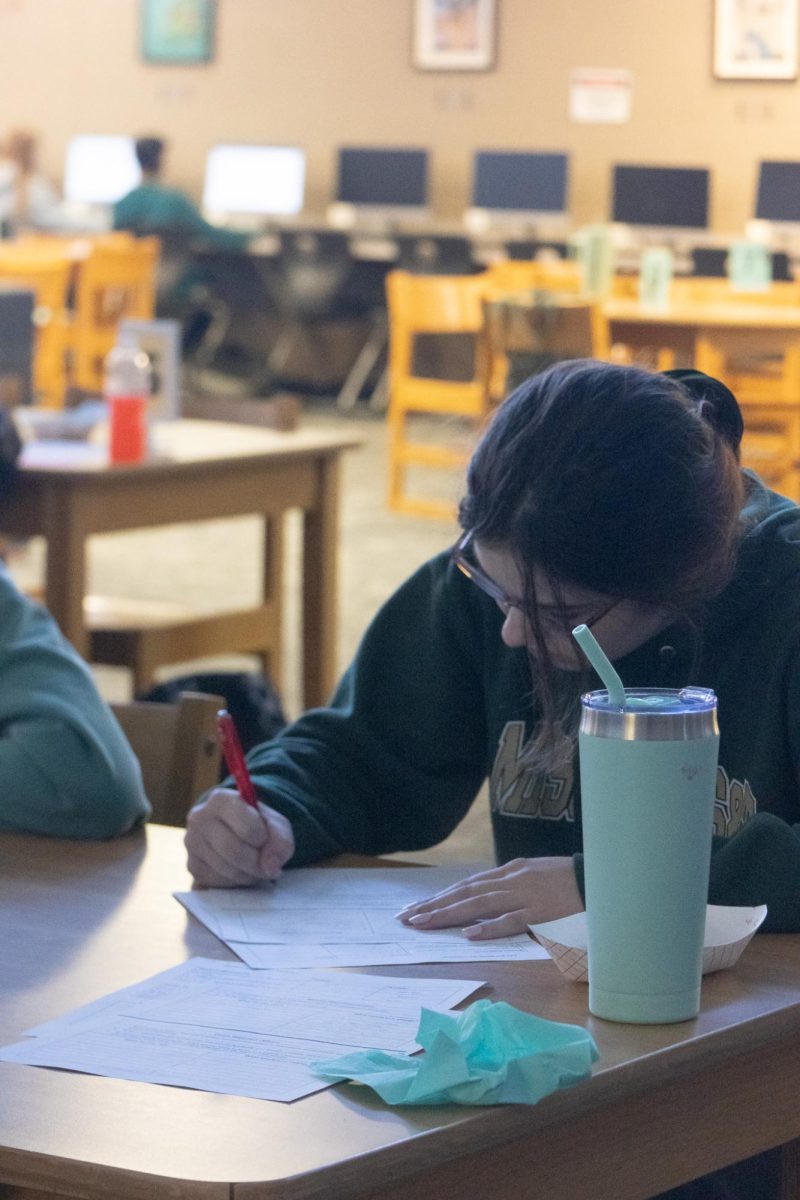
(693, 716)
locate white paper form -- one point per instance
(343, 917)
(433, 947)
(219, 1027)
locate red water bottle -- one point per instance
(126, 389)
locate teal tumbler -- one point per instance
(648, 779)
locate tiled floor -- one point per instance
(216, 565)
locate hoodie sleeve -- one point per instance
(397, 758)
(66, 769)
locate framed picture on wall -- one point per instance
(454, 35)
(177, 31)
(755, 39)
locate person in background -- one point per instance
(28, 199)
(66, 769)
(154, 208)
(599, 494)
(186, 289)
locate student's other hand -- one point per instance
(502, 901)
(231, 845)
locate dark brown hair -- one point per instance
(615, 479)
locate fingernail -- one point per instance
(420, 919)
(472, 931)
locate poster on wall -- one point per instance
(454, 35)
(600, 95)
(755, 39)
(177, 31)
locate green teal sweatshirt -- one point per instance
(65, 767)
(434, 702)
(154, 208)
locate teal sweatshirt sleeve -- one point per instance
(187, 217)
(397, 758)
(66, 769)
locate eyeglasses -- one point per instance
(547, 615)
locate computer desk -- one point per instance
(665, 1103)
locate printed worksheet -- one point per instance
(219, 1027)
(316, 916)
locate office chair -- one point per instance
(535, 249)
(712, 262)
(445, 254)
(315, 281)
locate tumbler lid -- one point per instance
(651, 714)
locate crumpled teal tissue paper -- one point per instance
(491, 1053)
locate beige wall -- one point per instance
(320, 73)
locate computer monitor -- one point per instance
(667, 200)
(244, 182)
(520, 186)
(778, 194)
(99, 169)
(386, 183)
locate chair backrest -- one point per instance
(712, 261)
(177, 747)
(311, 268)
(16, 346)
(443, 254)
(116, 282)
(534, 249)
(523, 338)
(47, 273)
(431, 304)
(515, 275)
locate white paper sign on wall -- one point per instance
(602, 95)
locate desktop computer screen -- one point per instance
(669, 197)
(383, 178)
(518, 181)
(778, 195)
(100, 169)
(254, 180)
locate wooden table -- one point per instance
(665, 1103)
(203, 470)
(696, 331)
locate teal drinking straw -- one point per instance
(601, 663)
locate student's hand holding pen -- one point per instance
(232, 839)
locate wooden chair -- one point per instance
(769, 400)
(537, 329)
(144, 635)
(521, 275)
(421, 305)
(177, 748)
(116, 281)
(47, 273)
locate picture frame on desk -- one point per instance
(177, 31)
(454, 35)
(161, 342)
(755, 39)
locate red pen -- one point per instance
(234, 758)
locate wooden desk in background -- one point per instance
(666, 1103)
(697, 331)
(204, 470)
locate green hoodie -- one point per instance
(434, 702)
(65, 767)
